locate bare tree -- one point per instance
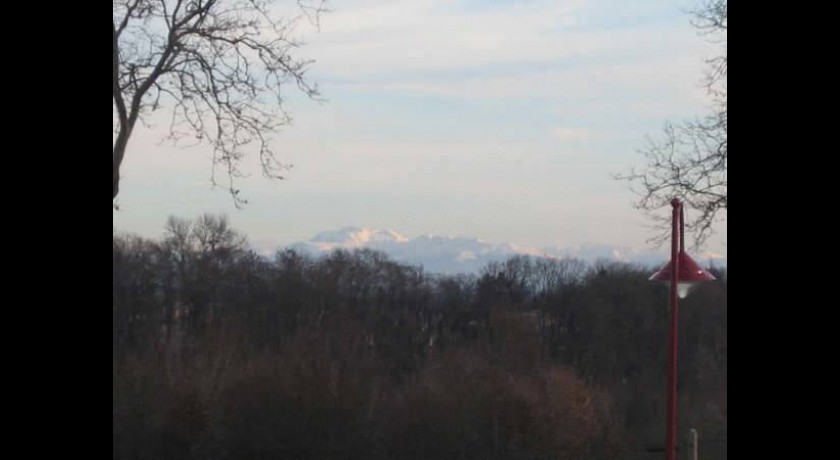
(220, 66)
(690, 160)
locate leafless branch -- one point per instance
(689, 161)
(220, 66)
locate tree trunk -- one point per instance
(119, 153)
(116, 182)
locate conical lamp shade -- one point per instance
(689, 274)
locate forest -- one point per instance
(222, 353)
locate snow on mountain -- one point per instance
(443, 254)
(434, 253)
(357, 237)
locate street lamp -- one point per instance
(682, 272)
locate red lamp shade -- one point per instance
(690, 274)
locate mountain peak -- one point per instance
(352, 236)
(462, 254)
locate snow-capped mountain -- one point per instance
(355, 237)
(443, 254)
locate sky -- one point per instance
(504, 120)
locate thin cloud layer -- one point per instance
(500, 119)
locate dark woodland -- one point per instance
(220, 353)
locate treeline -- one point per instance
(219, 353)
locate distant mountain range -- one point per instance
(449, 255)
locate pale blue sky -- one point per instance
(502, 120)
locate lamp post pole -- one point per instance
(682, 272)
(671, 428)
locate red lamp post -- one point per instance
(682, 272)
